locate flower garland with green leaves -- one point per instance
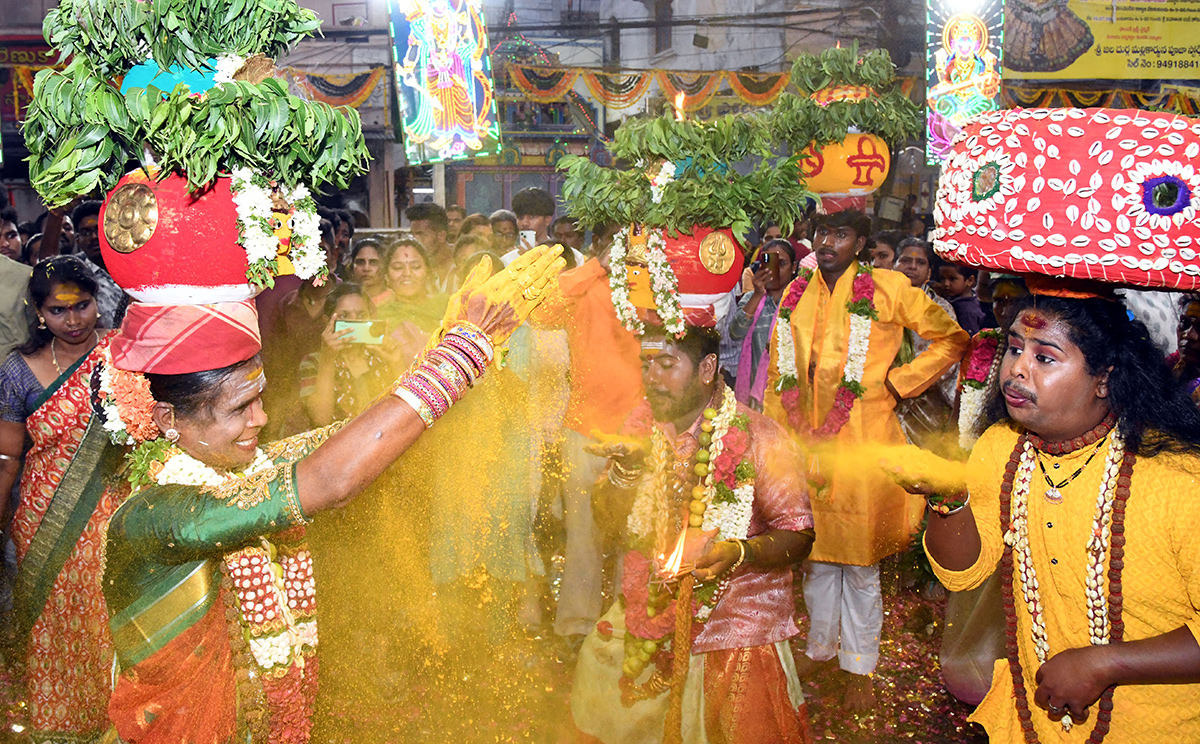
(252, 196)
(663, 283)
(861, 307)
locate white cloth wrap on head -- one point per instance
(718, 304)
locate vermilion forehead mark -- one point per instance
(1033, 320)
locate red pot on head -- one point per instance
(162, 244)
(708, 264)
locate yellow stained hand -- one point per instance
(922, 472)
(499, 303)
(614, 445)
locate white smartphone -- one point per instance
(528, 239)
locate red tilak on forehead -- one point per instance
(1033, 320)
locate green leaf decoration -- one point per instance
(889, 114)
(723, 494)
(727, 176)
(115, 35)
(141, 457)
(729, 171)
(745, 471)
(83, 135)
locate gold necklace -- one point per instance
(54, 351)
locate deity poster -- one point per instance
(443, 77)
(963, 57)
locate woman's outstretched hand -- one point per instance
(499, 304)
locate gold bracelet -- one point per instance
(741, 557)
(621, 478)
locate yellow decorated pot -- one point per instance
(856, 166)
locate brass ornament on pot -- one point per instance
(717, 252)
(131, 217)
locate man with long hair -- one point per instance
(1084, 495)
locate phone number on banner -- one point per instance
(1178, 64)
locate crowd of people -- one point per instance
(552, 438)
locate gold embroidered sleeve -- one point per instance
(300, 445)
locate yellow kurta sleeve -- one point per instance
(988, 459)
(912, 309)
(1182, 476)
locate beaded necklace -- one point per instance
(1105, 619)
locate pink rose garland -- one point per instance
(862, 302)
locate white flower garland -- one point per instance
(731, 520)
(858, 343)
(252, 198)
(663, 283)
(972, 401)
(113, 424)
(785, 354)
(184, 470)
(856, 355)
(618, 283)
(227, 66)
(658, 182)
(1017, 537)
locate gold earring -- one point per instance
(41, 323)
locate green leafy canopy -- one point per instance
(727, 176)
(734, 174)
(115, 35)
(83, 135)
(889, 114)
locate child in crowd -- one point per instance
(957, 284)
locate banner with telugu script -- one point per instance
(1113, 39)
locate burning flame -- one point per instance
(675, 562)
(679, 99)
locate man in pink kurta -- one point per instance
(741, 684)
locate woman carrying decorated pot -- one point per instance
(59, 624)
(208, 578)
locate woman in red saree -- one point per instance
(60, 621)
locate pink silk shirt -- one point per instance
(758, 606)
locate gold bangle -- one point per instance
(741, 557)
(622, 478)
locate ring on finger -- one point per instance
(531, 294)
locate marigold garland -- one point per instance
(127, 404)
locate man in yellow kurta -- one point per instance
(862, 516)
(1094, 474)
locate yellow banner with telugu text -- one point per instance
(1114, 39)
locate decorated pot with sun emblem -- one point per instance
(1102, 194)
